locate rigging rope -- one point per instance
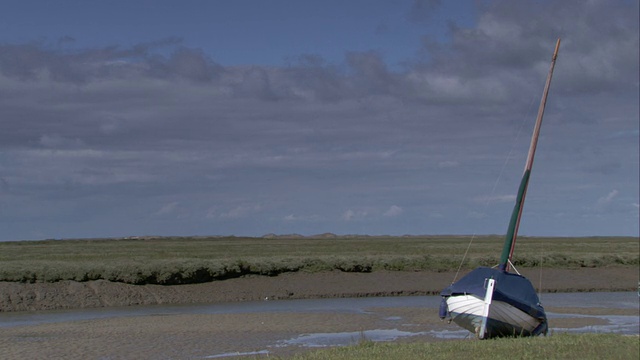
(495, 186)
(541, 260)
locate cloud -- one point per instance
(194, 65)
(608, 199)
(422, 10)
(371, 75)
(594, 55)
(348, 215)
(168, 209)
(142, 121)
(351, 215)
(393, 211)
(241, 211)
(57, 141)
(37, 62)
(496, 46)
(300, 218)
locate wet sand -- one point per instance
(170, 336)
(300, 285)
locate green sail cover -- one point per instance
(513, 224)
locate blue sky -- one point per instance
(126, 118)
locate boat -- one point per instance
(499, 302)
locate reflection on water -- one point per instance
(347, 338)
(450, 334)
(246, 353)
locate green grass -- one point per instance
(563, 346)
(180, 260)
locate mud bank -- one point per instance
(300, 285)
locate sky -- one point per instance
(248, 117)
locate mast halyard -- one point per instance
(514, 223)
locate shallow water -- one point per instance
(340, 305)
(612, 300)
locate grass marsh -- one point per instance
(180, 260)
(562, 346)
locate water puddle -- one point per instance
(449, 334)
(618, 324)
(232, 354)
(347, 338)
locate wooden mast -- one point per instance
(514, 224)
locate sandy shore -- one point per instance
(71, 294)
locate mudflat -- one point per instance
(260, 334)
(298, 285)
(200, 336)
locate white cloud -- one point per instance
(393, 211)
(605, 200)
(241, 211)
(57, 141)
(350, 215)
(293, 218)
(167, 209)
